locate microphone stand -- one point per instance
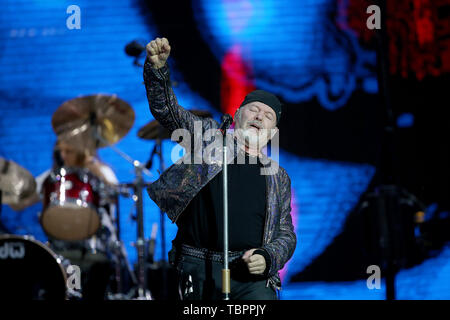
(225, 270)
(226, 122)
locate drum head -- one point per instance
(71, 201)
(71, 224)
(30, 270)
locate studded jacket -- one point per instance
(181, 182)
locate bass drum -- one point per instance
(30, 270)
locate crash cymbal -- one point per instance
(81, 119)
(16, 183)
(153, 129)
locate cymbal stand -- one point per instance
(120, 252)
(157, 151)
(142, 293)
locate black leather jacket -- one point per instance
(179, 184)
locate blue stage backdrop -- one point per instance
(44, 63)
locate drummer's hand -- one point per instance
(158, 51)
(89, 161)
(93, 165)
(256, 263)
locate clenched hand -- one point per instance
(256, 263)
(158, 51)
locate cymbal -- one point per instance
(106, 117)
(154, 129)
(16, 183)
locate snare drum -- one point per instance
(71, 204)
(30, 270)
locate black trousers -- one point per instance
(201, 279)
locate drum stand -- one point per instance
(157, 151)
(142, 292)
(120, 254)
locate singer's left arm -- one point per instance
(282, 245)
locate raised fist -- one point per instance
(158, 51)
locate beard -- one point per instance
(252, 138)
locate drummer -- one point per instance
(67, 155)
(91, 255)
(71, 157)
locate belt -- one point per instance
(206, 254)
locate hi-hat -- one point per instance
(16, 183)
(154, 130)
(94, 121)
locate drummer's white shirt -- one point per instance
(109, 174)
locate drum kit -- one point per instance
(84, 257)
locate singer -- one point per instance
(261, 234)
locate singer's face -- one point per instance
(254, 122)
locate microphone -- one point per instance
(134, 48)
(227, 120)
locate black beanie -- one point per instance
(265, 97)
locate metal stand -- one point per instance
(226, 122)
(143, 293)
(385, 201)
(157, 151)
(138, 184)
(117, 246)
(225, 270)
